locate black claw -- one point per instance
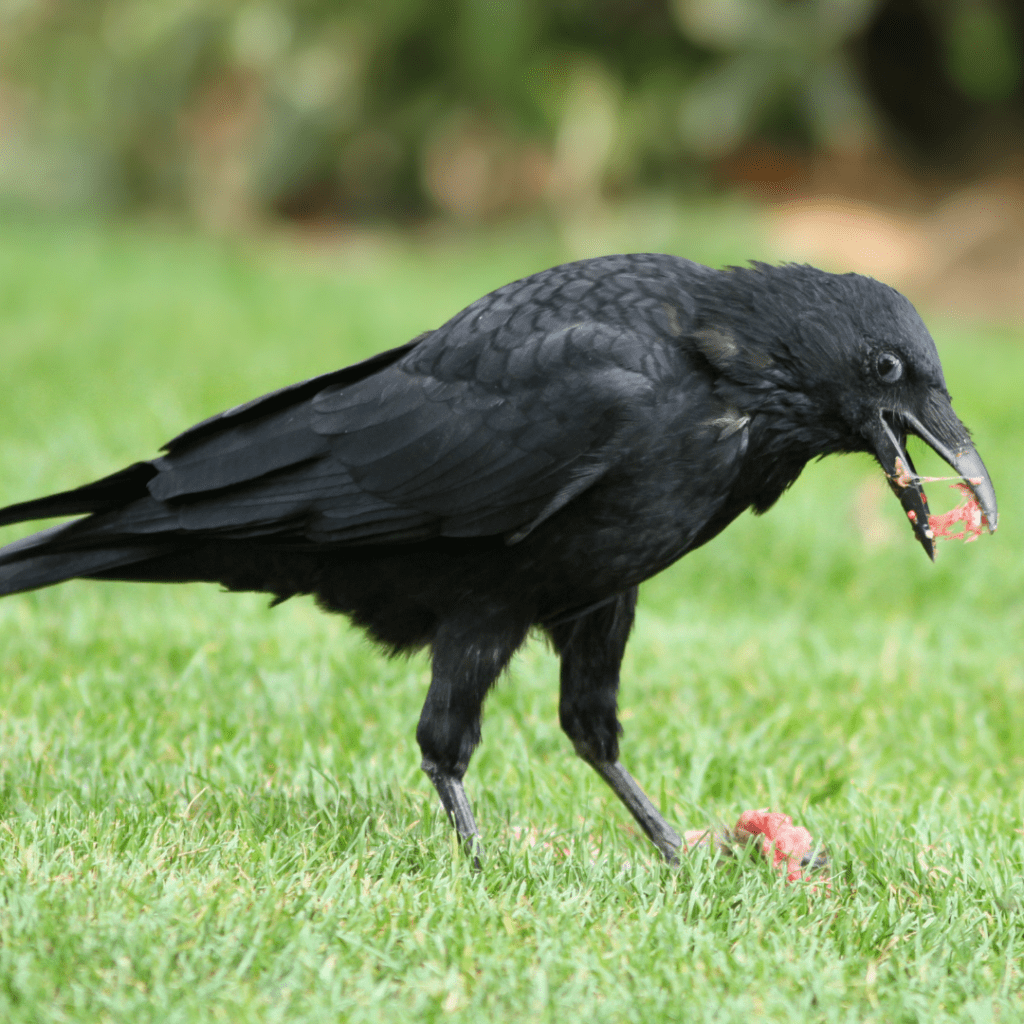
(456, 805)
(647, 816)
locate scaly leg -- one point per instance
(470, 650)
(591, 648)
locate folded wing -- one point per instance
(409, 452)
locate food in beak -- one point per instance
(973, 482)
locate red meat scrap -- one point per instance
(784, 845)
(968, 512)
(902, 477)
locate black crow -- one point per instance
(527, 464)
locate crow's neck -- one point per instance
(781, 443)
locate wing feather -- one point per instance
(489, 425)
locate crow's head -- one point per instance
(891, 384)
(862, 373)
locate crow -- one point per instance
(526, 465)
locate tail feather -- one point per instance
(100, 496)
(30, 572)
(64, 552)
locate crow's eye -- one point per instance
(888, 367)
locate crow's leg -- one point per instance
(470, 650)
(591, 648)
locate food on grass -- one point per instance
(787, 847)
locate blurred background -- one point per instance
(879, 135)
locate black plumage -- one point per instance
(527, 464)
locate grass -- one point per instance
(213, 811)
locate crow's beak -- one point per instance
(949, 438)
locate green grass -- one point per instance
(213, 811)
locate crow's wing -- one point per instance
(485, 426)
(284, 398)
(494, 452)
(453, 440)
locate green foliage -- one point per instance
(213, 811)
(233, 108)
(782, 62)
(241, 106)
(984, 58)
(238, 108)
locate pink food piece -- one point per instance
(784, 844)
(969, 513)
(903, 476)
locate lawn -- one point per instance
(213, 811)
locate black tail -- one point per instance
(100, 496)
(64, 552)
